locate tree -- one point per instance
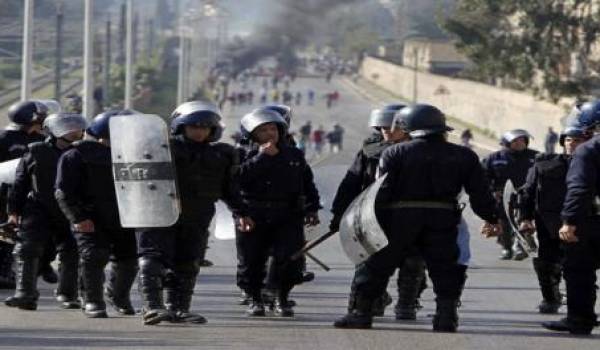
(532, 43)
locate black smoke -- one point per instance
(293, 24)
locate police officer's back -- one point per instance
(419, 208)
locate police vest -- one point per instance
(99, 187)
(551, 185)
(203, 171)
(45, 157)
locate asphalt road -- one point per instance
(498, 310)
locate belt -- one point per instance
(268, 204)
(423, 205)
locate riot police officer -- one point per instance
(85, 192)
(512, 162)
(206, 172)
(32, 204)
(418, 208)
(25, 127)
(580, 230)
(286, 113)
(361, 174)
(277, 186)
(540, 202)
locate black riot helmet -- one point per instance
(198, 113)
(509, 136)
(572, 131)
(384, 117)
(259, 117)
(421, 120)
(61, 124)
(284, 111)
(28, 112)
(99, 127)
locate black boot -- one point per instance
(257, 306)
(549, 276)
(26, 294)
(151, 289)
(446, 316)
(360, 317)
(186, 281)
(381, 303)
(573, 326)
(66, 291)
(7, 275)
(121, 277)
(410, 279)
(48, 274)
(245, 299)
(92, 273)
(283, 307)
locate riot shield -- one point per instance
(8, 171)
(143, 171)
(527, 241)
(222, 225)
(360, 232)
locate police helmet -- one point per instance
(571, 131)
(28, 112)
(283, 110)
(261, 116)
(61, 124)
(99, 128)
(586, 116)
(198, 113)
(421, 120)
(509, 136)
(384, 117)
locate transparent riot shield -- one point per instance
(143, 171)
(360, 233)
(222, 225)
(527, 241)
(8, 171)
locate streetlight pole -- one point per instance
(129, 56)
(181, 73)
(416, 72)
(58, 59)
(27, 50)
(88, 61)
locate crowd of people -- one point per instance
(63, 197)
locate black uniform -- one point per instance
(32, 199)
(85, 191)
(13, 144)
(540, 200)
(431, 171)
(362, 174)
(279, 192)
(582, 258)
(205, 174)
(499, 167)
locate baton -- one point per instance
(311, 244)
(317, 261)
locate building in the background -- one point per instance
(438, 56)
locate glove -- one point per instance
(334, 225)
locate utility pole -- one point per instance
(181, 73)
(107, 62)
(416, 72)
(58, 57)
(88, 60)
(27, 57)
(136, 27)
(129, 57)
(122, 34)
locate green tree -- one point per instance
(531, 43)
